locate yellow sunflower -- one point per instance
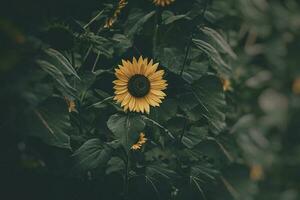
(140, 143)
(139, 85)
(162, 2)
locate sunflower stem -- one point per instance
(157, 15)
(186, 54)
(191, 37)
(183, 130)
(96, 61)
(126, 176)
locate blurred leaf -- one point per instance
(50, 122)
(159, 171)
(115, 164)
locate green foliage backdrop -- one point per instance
(227, 129)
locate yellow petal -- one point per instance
(118, 87)
(157, 75)
(119, 82)
(157, 92)
(151, 69)
(121, 91)
(159, 82)
(126, 100)
(140, 105)
(132, 104)
(151, 100)
(140, 61)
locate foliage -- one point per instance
(61, 125)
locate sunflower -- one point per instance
(139, 144)
(162, 2)
(139, 85)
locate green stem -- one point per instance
(186, 55)
(96, 61)
(157, 15)
(183, 130)
(126, 178)
(93, 19)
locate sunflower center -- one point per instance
(138, 85)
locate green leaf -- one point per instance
(61, 62)
(122, 43)
(194, 136)
(92, 155)
(206, 100)
(57, 75)
(100, 45)
(50, 122)
(171, 58)
(195, 71)
(137, 20)
(160, 171)
(221, 42)
(212, 54)
(165, 111)
(115, 164)
(168, 17)
(126, 128)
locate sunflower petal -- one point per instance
(157, 75)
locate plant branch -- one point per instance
(96, 61)
(159, 125)
(93, 19)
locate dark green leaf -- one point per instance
(194, 136)
(213, 54)
(92, 155)
(61, 62)
(126, 128)
(50, 122)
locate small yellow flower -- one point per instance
(163, 2)
(256, 172)
(139, 144)
(226, 84)
(296, 86)
(139, 85)
(71, 105)
(109, 22)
